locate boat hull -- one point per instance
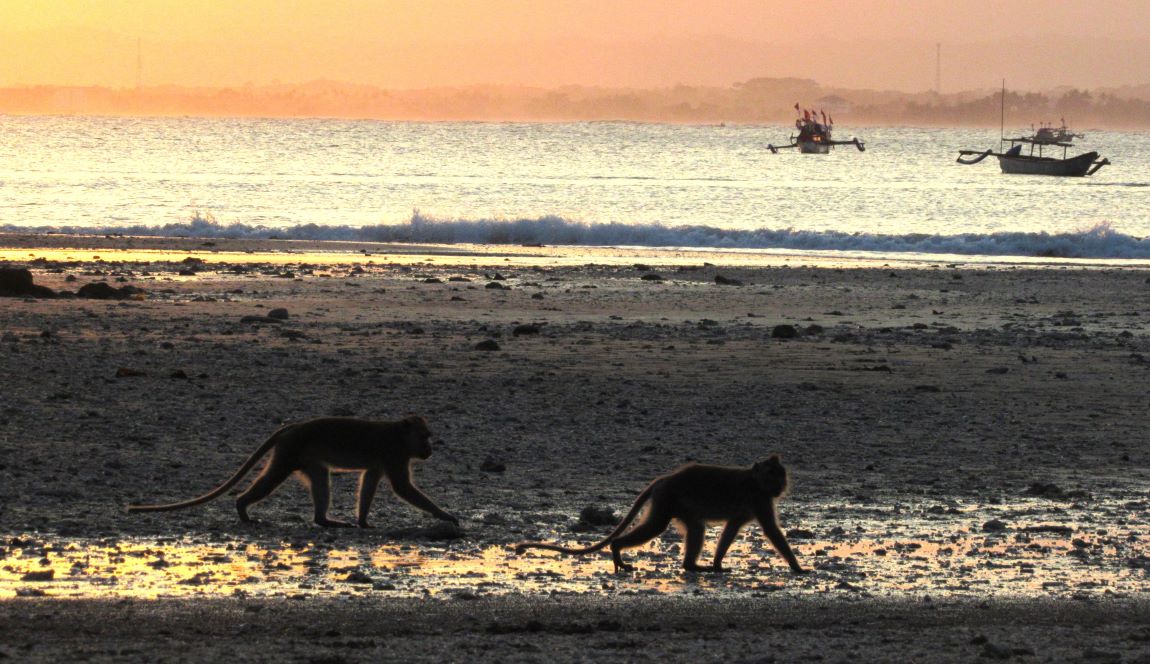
(811, 147)
(1028, 165)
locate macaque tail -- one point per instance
(638, 505)
(216, 492)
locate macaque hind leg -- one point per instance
(695, 531)
(730, 531)
(368, 483)
(268, 481)
(650, 528)
(319, 481)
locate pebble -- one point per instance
(492, 465)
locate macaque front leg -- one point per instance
(771, 528)
(368, 483)
(409, 492)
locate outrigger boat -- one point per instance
(814, 136)
(1015, 162)
(1048, 133)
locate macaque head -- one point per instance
(771, 476)
(417, 436)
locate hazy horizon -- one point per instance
(864, 44)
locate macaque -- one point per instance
(316, 448)
(694, 495)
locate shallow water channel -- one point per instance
(914, 558)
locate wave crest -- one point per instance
(1098, 241)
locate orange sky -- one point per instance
(888, 44)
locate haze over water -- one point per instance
(576, 183)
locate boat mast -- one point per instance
(1002, 117)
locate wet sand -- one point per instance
(967, 447)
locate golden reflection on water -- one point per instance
(1011, 563)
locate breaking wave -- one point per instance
(1099, 241)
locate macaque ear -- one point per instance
(775, 460)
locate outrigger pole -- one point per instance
(854, 141)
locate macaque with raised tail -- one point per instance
(695, 495)
(316, 448)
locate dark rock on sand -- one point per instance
(357, 576)
(593, 515)
(1044, 490)
(784, 332)
(492, 465)
(727, 281)
(17, 282)
(101, 290)
(44, 575)
(994, 526)
(495, 285)
(526, 328)
(266, 320)
(279, 314)
(487, 344)
(652, 277)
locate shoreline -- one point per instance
(73, 248)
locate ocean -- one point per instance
(594, 184)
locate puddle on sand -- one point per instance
(1016, 563)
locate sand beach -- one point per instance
(966, 442)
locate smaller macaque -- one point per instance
(316, 448)
(694, 495)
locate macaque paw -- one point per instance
(332, 523)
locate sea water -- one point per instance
(597, 183)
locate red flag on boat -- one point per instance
(806, 114)
(796, 107)
(824, 114)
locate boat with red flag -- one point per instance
(815, 134)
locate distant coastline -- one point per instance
(759, 100)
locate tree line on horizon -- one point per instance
(761, 100)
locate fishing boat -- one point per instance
(1014, 161)
(1048, 133)
(814, 135)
